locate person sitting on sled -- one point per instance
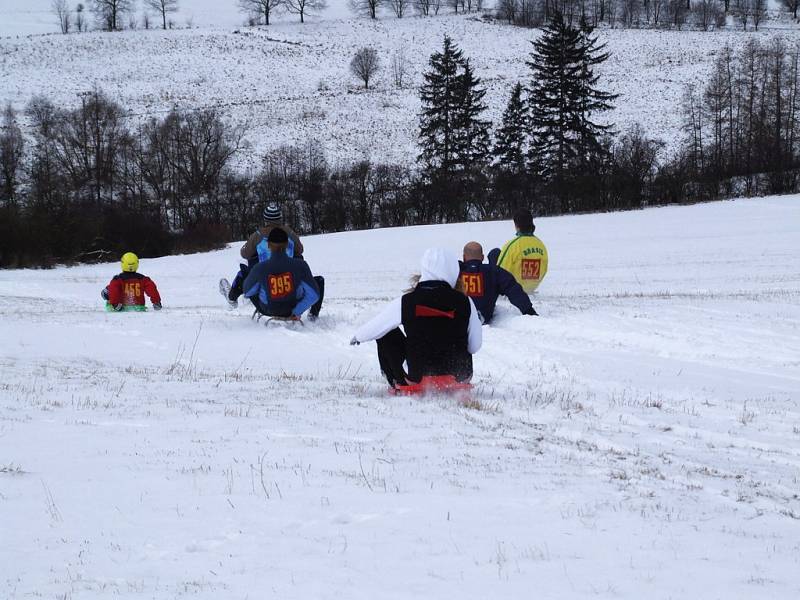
(282, 286)
(442, 328)
(484, 282)
(127, 290)
(256, 249)
(524, 256)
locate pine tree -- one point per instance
(509, 150)
(593, 99)
(453, 137)
(441, 95)
(472, 132)
(562, 99)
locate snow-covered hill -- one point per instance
(289, 83)
(640, 439)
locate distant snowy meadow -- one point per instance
(288, 83)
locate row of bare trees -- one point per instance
(674, 14)
(260, 11)
(743, 126)
(110, 15)
(87, 180)
(402, 8)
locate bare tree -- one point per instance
(12, 146)
(709, 14)
(365, 64)
(423, 7)
(400, 7)
(507, 10)
(262, 9)
(677, 12)
(742, 12)
(366, 7)
(80, 17)
(63, 14)
(758, 9)
(162, 8)
(630, 11)
(792, 6)
(399, 68)
(301, 7)
(109, 12)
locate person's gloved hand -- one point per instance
(156, 306)
(531, 312)
(118, 307)
(354, 341)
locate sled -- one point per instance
(129, 308)
(432, 384)
(257, 316)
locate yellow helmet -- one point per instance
(130, 262)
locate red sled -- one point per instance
(432, 384)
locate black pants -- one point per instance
(391, 356)
(238, 282)
(317, 306)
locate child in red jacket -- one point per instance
(127, 290)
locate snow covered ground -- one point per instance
(640, 439)
(290, 83)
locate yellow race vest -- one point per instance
(525, 257)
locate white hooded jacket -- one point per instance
(438, 264)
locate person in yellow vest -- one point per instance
(525, 256)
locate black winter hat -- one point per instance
(273, 213)
(278, 236)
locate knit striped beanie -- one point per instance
(273, 214)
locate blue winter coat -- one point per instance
(485, 282)
(281, 286)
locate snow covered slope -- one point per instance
(640, 439)
(290, 83)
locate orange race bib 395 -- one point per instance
(280, 285)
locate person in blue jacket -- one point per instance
(282, 286)
(485, 282)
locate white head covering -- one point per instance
(439, 264)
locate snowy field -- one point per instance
(640, 439)
(290, 83)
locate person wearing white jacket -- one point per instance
(442, 326)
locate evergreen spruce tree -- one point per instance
(510, 140)
(441, 99)
(471, 132)
(594, 99)
(454, 140)
(562, 98)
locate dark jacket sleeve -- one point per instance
(512, 290)
(249, 248)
